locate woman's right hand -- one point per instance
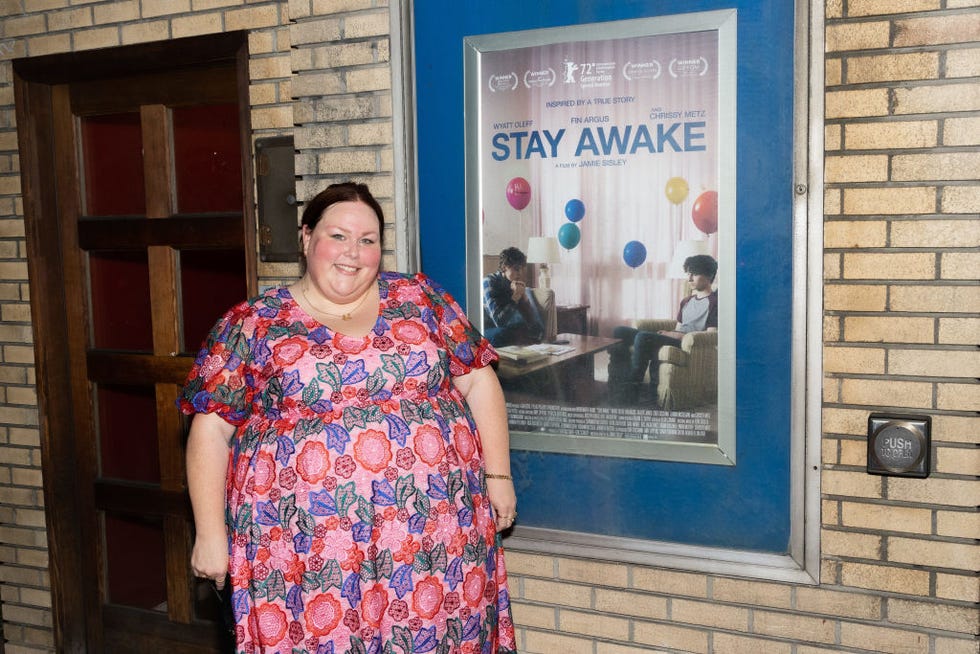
(209, 559)
(208, 450)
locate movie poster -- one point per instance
(601, 161)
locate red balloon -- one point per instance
(704, 213)
(518, 193)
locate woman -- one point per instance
(348, 462)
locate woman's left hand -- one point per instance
(482, 391)
(503, 499)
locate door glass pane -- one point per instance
(211, 281)
(120, 287)
(207, 158)
(112, 148)
(128, 433)
(135, 561)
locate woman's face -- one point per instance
(343, 251)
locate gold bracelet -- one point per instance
(492, 476)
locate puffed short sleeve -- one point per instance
(219, 381)
(466, 346)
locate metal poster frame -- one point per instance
(599, 108)
(703, 518)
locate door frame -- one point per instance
(68, 469)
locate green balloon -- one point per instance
(569, 235)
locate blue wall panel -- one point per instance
(745, 506)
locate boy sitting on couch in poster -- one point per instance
(639, 350)
(511, 314)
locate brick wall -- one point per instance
(342, 107)
(23, 574)
(902, 236)
(901, 300)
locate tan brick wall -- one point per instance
(342, 105)
(902, 235)
(26, 600)
(903, 271)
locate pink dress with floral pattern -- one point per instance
(357, 510)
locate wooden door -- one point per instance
(147, 207)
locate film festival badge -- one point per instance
(597, 74)
(506, 82)
(688, 67)
(539, 78)
(641, 70)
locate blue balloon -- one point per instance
(634, 254)
(569, 235)
(575, 210)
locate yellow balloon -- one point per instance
(676, 189)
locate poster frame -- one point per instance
(721, 451)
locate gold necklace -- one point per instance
(342, 316)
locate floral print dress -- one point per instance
(356, 504)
